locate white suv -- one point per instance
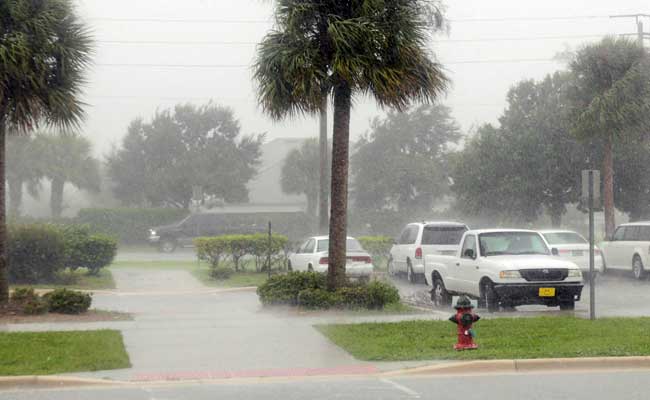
(629, 248)
(420, 239)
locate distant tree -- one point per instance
(610, 101)
(344, 48)
(159, 162)
(631, 178)
(401, 164)
(24, 168)
(301, 173)
(529, 164)
(67, 158)
(44, 51)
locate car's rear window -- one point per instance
(442, 235)
(352, 245)
(564, 238)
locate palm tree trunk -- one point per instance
(608, 187)
(4, 267)
(339, 187)
(56, 197)
(556, 220)
(323, 198)
(15, 196)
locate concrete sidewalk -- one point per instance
(180, 330)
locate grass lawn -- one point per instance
(499, 338)
(79, 280)
(42, 353)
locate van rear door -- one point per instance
(442, 239)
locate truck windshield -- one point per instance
(511, 243)
(442, 235)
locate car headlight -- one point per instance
(575, 273)
(152, 232)
(514, 274)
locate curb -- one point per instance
(527, 365)
(50, 381)
(115, 292)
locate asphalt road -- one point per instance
(602, 385)
(618, 294)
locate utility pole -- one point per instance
(323, 203)
(640, 33)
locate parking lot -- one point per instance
(617, 295)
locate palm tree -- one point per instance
(347, 48)
(67, 159)
(44, 50)
(610, 96)
(301, 173)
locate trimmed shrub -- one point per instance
(211, 249)
(216, 249)
(35, 253)
(381, 293)
(66, 301)
(354, 297)
(128, 225)
(221, 273)
(284, 289)
(35, 306)
(86, 250)
(318, 299)
(23, 294)
(378, 246)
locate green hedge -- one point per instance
(128, 225)
(378, 247)
(308, 290)
(235, 247)
(35, 253)
(86, 250)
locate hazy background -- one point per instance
(144, 61)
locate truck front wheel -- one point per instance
(489, 298)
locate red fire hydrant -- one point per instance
(464, 318)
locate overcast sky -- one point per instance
(214, 45)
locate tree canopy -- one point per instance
(161, 161)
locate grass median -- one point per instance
(44, 353)
(499, 338)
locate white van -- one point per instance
(629, 249)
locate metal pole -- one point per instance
(592, 287)
(268, 256)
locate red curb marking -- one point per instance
(288, 372)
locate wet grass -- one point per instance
(44, 353)
(79, 280)
(499, 338)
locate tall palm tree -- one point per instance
(610, 96)
(67, 158)
(44, 50)
(24, 167)
(348, 48)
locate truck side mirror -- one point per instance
(469, 253)
(555, 251)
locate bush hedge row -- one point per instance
(378, 246)
(36, 252)
(61, 301)
(235, 247)
(308, 290)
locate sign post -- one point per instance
(591, 193)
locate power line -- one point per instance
(249, 43)
(234, 66)
(261, 21)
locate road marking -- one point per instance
(402, 388)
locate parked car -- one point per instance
(420, 239)
(628, 249)
(312, 256)
(572, 246)
(504, 267)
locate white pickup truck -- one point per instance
(504, 267)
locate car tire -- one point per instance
(567, 305)
(310, 268)
(410, 275)
(289, 267)
(391, 267)
(637, 268)
(167, 246)
(489, 298)
(439, 295)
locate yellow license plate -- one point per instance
(547, 292)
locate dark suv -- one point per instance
(167, 238)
